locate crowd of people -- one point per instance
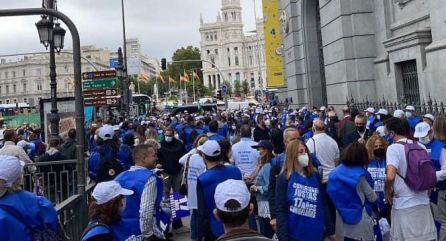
(253, 174)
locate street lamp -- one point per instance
(45, 30)
(58, 37)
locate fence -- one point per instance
(58, 181)
(434, 106)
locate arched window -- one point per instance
(237, 76)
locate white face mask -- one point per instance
(425, 140)
(169, 139)
(408, 114)
(303, 160)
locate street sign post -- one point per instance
(224, 89)
(100, 84)
(100, 93)
(102, 101)
(99, 75)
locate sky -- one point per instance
(162, 26)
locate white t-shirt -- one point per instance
(196, 168)
(327, 151)
(245, 157)
(403, 195)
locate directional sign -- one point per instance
(101, 102)
(100, 93)
(99, 75)
(224, 89)
(99, 84)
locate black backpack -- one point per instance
(109, 167)
(102, 237)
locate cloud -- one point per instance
(162, 26)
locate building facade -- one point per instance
(26, 79)
(362, 49)
(237, 55)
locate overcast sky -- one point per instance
(162, 26)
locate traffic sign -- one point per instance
(224, 89)
(100, 93)
(99, 75)
(101, 102)
(100, 84)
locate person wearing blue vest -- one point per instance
(301, 207)
(190, 132)
(350, 188)
(223, 126)
(104, 213)
(209, 227)
(411, 116)
(371, 119)
(289, 134)
(125, 151)
(213, 131)
(20, 210)
(438, 155)
(148, 189)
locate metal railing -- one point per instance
(432, 106)
(57, 181)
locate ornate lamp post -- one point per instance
(53, 36)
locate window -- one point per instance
(229, 61)
(209, 52)
(226, 17)
(237, 76)
(23, 72)
(230, 77)
(219, 81)
(250, 60)
(215, 37)
(236, 50)
(39, 87)
(213, 59)
(14, 88)
(13, 74)
(216, 51)
(0, 89)
(236, 61)
(24, 87)
(7, 101)
(1, 102)
(253, 81)
(7, 89)
(209, 81)
(15, 101)
(214, 81)
(6, 75)
(25, 100)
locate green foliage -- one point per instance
(185, 53)
(237, 88)
(245, 88)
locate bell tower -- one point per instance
(231, 11)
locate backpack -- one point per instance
(108, 168)
(47, 234)
(93, 225)
(420, 175)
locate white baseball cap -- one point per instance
(398, 114)
(10, 169)
(382, 112)
(370, 110)
(427, 116)
(106, 191)
(231, 190)
(106, 132)
(210, 148)
(116, 128)
(323, 108)
(421, 130)
(410, 108)
(381, 131)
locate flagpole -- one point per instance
(193, 85)
(185, 89)
(181, 94)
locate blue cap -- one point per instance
(264, 144)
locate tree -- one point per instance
(245, 88)
(186, 53)
(229, 87)
(237, 88)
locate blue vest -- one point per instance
(209, 181)
(308, 135)
(186, 133)
(216, 137)
(306, 211)
(223, 131)
(342, 191)
(281, 158)
(125, 156)
(436, 147)
(136, 181)
(370, 121)
(413, 121)
(377, 170)
(35, 210)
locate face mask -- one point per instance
(408, 114)
(303, 160)
(169, 139)
(379, 153)
(360, 128)
(425, 140)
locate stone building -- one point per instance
(239, 56)
(25, 79)
(363, 49)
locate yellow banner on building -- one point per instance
(273, 44)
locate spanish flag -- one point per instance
(143, 77)
(159, 76)
(195, 75)
(171, 80)
(185, 77)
